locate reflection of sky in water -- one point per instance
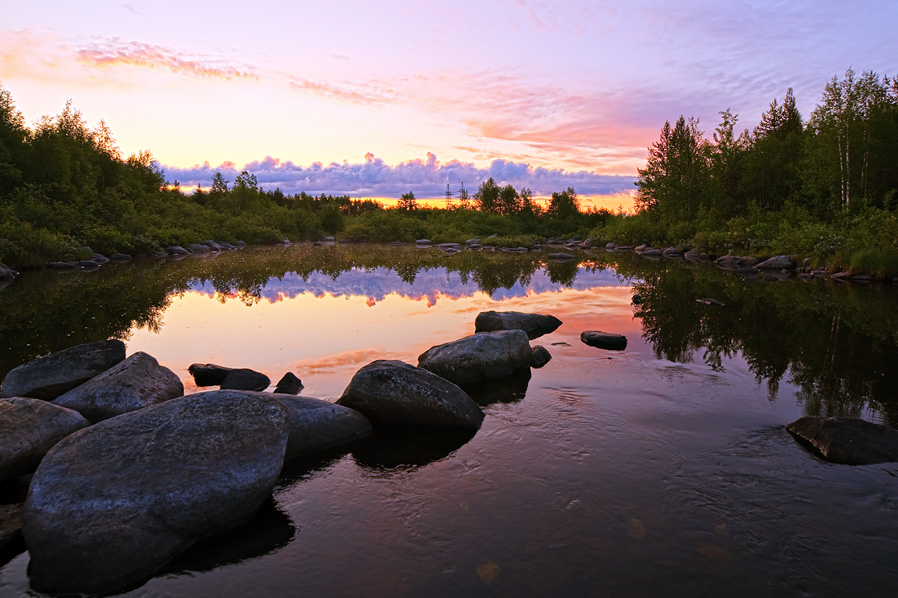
(429, 283)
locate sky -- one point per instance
(374, 99)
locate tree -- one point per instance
(487, 196)
(564, 205)
(407, 202)
(675, 182)
(219, 184)
(508, 201)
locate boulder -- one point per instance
(212, 245)
(695, 255)
(7, 273)
(112, 503)
(119, 257)
(176, 250)
(317, 425)
(132, 384)
(422, 242)
(610, 245)
(539, 357)
(561, 256)
(289, 384)
(64, 266)
(10, 531)
(673, 252)
(780, 262)
(49, 376)
(396, 393)
(604, 340)
(478, 357)
(847, 440)
(208, 374)
(198, 248)
(245, 379)
(28, 429)
(87, 264)
(535, 325)
(651, 253)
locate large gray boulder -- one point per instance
(28, 429)
(49, 376)
(847, 440)
(397, 393)
(133, 384)
(780, 262)
(317, 425)
(112, 503)
(478, 357)
(535, 325)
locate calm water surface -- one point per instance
(660, 470)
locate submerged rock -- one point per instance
(132, 384)
(208, 374)
(28, 429)
(49, 376)
(112, 503)
(604, 340)
(397, 393)
(478, 357)
(535, 325)
(847, 440)
(245, 379)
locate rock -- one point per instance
(539, 357)
(472, 242)
(28, 429)
(7, 273)
(119, 257)
(710, 301)
(731, 262)
(49, 376)
(245, 379)
(176, 250)
(604, 340)
(651, 253)
(10, 531)
(132, 384)
(198, 248)
(112, 503)
(561, 256)
(240, 243)
(212, 245)
(847, 440)
(290, 384)
(535, 325)
(673, 252)
(64, 266)
(88, 264)
(478, 357)
(780, 262)
(208, 374)
(422, 242)
(693, 255)
(396, 393)
(316, 425)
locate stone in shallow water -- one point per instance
(535, 325)
(28, 429)
(479, 357)
(133, 384)
(847, 440)
(396, 393)
(112, 503)
(289, 384)
(49, 376)
(604, 340)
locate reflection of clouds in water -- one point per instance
(430, 284)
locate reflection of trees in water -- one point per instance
(837, 342)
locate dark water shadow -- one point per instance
(395, 447)
(268, 531)
(508, 389)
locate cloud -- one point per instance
(342, 93)
(113, 52)
(426, 178)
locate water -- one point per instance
(662, 469)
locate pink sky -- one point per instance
(549, 94)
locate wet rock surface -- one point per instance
(49, 376)
(535, 325)
(478, 357)
(604, 340)
(135, 383)
(112, 503)
(397, 393)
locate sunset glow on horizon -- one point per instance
(534, 94)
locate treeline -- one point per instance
(824, 186)
(65, 187)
